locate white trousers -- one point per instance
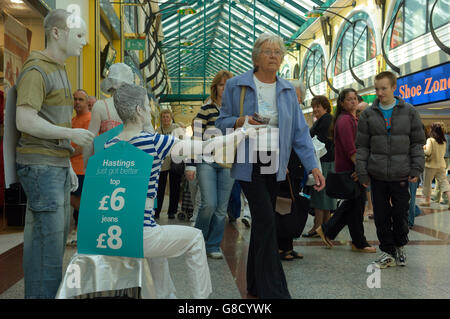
(162, 242)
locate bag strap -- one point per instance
(243, 89)
(290, 187)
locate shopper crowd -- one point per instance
(381, 146)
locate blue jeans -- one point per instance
(215, 188)
(47, 222)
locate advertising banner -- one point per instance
(111, 218)
(427, 86)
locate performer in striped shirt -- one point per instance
(162, 242)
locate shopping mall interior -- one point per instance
(174, 49)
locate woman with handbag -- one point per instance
(173, 170)
(435, 164)
(351, 211)
(320, 201)
(267, 97)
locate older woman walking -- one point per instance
(322, 203)
(259, 170)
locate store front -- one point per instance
(429, 91)
(21, 31)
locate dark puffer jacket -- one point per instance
(394, 156)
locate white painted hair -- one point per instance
(126, 99)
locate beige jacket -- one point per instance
(436, 151)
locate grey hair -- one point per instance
(56, 18)
(299, 84)
(271, 38)
(126, 98)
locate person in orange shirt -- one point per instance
(80, 120)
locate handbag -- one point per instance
(283, 205)
(290, 225)
(227, 163)
(341, 185)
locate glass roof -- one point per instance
(219, 34)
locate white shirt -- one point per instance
(267, 100)
(267, 107)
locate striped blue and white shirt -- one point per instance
(158, 146)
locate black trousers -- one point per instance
(174, 192)
(390, 212)
(265, 275)
(349, 213)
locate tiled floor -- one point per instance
(330, 273)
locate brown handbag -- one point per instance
(283, 205)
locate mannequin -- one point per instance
(43, 152)
(104, 115)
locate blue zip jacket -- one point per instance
(293, 130)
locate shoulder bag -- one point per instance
(341, 185)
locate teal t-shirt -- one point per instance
(387, 113)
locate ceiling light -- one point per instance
(16, 1)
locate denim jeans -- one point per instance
(215, 188)
(47, 222)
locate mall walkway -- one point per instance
(324, 273)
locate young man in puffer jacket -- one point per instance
(390, 154)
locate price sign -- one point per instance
(111, 218)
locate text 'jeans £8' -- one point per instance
(47, 223)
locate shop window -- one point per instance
(314, 66)
(361, 37)
(412, 19)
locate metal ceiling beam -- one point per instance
(283, 11)
(263, 13)
(269, 13)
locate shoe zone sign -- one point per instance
(427, 86)
(111, 217)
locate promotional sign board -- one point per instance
(427, 86)
(111, 217)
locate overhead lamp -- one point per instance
(17, 1)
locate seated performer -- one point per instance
(162, 242)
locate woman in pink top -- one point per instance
(350, 212)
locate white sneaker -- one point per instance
(400, 256)
(384, 261)
(215, 255)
